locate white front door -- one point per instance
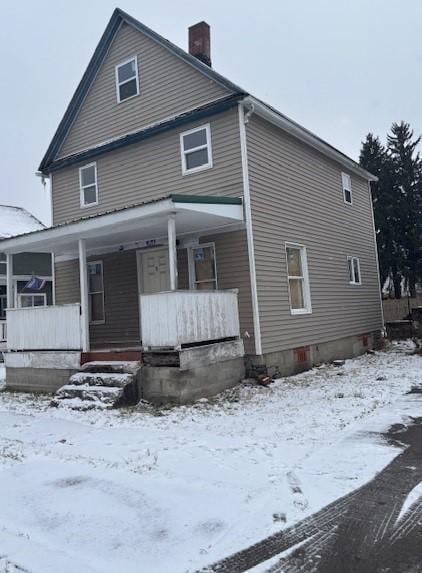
(153, 269)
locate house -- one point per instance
(196, 223)
(15, 221)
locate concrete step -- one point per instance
(92, 393)
(122, 367)
(107, 379)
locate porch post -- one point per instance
(83, 280)
(171, 230)
(9, 280)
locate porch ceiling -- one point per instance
(194, 214)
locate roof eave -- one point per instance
(278, 119)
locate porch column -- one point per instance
(83, 280)
(171, 230)
(9, 280)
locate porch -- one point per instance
(137, 278)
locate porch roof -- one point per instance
(143, 221)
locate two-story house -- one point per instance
(187, 213)
(15, 221)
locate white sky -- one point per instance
(340, 68)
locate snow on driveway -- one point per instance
(156, 490)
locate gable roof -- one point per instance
(237, 94)
(118, 17)
(17, 221)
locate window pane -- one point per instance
(38, 300)
(356, 270)
(3, 306)
(2, 257)
(128, 89)
(26, 301)
(296, 293)
(90, 195)
(203, 258)
(195, 139)
(95, 277)
(3, 268)
(197, 158)
(126, 71)
(209, 285)
(88, 176)
(347, 196)
(351, 276)
(96, 307)
(294, 262)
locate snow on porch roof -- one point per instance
(147, 220)
(17, 221)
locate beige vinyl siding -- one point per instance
(231, 254)
(167, 86)
(66, 280)
(152, 169)
(297, 196)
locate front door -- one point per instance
(153, 269)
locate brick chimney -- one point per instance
(200, 43)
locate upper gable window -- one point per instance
(88, 185)
(195, 146)
(347, 187)
(127, 84)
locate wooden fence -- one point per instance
(398, 309)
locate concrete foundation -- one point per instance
(42, 372)
(204, 371)
(296, 360)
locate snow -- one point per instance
(411, 499)
(17, 221)
(175, 489)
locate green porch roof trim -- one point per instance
(205, 199)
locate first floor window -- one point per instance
(347, 187)
(354, 270)
(195, 147)
(96, 292)
(3, 306)
(297, 271)
(203, 275)
(31, 299)
(88, 185)
(3, 264)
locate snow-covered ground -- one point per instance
(147, 490)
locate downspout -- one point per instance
(243, 120)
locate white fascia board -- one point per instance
(219, 209)
(307, 137)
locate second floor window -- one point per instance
(347, 187)
(127, 83)
(88, 185)
(195, 146)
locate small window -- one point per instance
(297, 271)
(354, 270)
(96, 292)
(127, 83)
(29, 299)
(88, 185)
(196, 149)
(347, 187)
(203, 274)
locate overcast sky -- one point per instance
(340, 68)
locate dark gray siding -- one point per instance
(296, 196)
(152, 169)
(168, 86)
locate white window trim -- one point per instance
(83, 187)
(118, 84)
(350, 261)
(22, 294)
(99, 262)
(306, 286)
(348, 178)
(208, 145)
(191, 265)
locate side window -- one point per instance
(297, 272)
(354, 271)
(347, 187)
(96, 292)
(195, 147)
(88, 185)
(27, 300)
(127, 81)
(202, 268)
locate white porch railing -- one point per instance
(3, 331)
(170, 319)
(44, 328)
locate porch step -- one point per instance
(100, 385)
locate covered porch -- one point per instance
(143, 277)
